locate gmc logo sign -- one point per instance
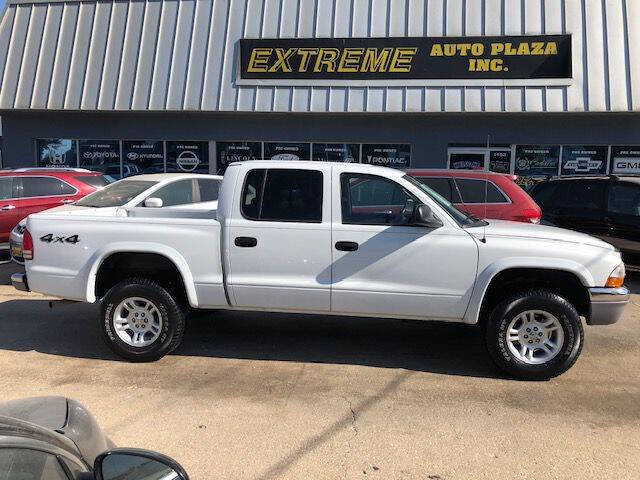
(627, 166)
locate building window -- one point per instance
(187, 156)
(99, 155)
(387, 155)
(287, 151)
(584, 160)
(142, 156)
(336, 152)
(56, 152)
(229, 152)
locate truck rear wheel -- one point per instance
(534, 335)
(141, 321)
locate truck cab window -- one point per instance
(283, 195)
(371, 200)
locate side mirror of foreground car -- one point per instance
(153, 202)
(136, 464)
(424, 217)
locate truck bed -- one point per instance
(70, 249)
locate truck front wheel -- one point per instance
(534, 335)
(141, 321)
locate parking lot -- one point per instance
(260, 396)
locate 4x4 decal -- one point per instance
(50, 238)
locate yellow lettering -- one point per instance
(283, 60)
(509, 50)
(449, 49)
(259, 59)
(464, 48)
(350, 59)
(305, 54)
(482, 65)
(496, 65)
(326, 57)
(402, 58)
(537, 48)
(523, 49)
(436, 50)
(551, 49)
(497, 48)
(477, 49)
(374, 61)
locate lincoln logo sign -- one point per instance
(515, 57)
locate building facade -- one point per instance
(532, 87)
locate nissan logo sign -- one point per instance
(188, 161)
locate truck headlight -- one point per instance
(616, 279)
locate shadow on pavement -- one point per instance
(72, 330)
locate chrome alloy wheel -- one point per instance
(535, 337)
(137, 321)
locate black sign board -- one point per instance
(57, 152)
(336, 152)
(500, 161)
(537, 160)
(625, 159)
(229, 152)
(142, 156)
(98, 154)
(387, 155)
(188, 157)
(584, 160)
(522, 57)
(287, 151)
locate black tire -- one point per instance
(173, 319)
(501, 317)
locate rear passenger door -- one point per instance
(9, 211)
(38, 193)
(580, 205)
(279, 240)
(482, 198)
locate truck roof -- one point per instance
(360, 167)
(160, 177)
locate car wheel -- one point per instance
(534, 335)
(141, 321)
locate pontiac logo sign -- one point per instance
(516, 57)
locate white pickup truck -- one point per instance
(329, 238)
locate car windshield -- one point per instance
(116, 194)
(463, 218)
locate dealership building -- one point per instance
(531, 87)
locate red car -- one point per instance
(30, 190)
(482, 194)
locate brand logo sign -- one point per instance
(188, 161)
(515, 57)
(583, 165)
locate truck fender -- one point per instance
(485, 277)
(171, 254)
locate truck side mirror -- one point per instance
(153, 202)
(136, 464)
(424, 217)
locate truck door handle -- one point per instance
(246, 241)
(8, 207)
(347, 246)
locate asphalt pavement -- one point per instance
(262, 396)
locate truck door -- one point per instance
(382, 265)
(279, 240)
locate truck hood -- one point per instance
(521, 230)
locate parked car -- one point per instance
(606, 207)
(483, 194)
(330, 239)
(56, 438)
(29, 190)
(171, 190)
(113, 170)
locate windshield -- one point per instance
(116, 194)
(463, 218)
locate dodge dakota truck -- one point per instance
(337, 239)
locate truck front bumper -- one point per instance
(606, 305)
(19, 281)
